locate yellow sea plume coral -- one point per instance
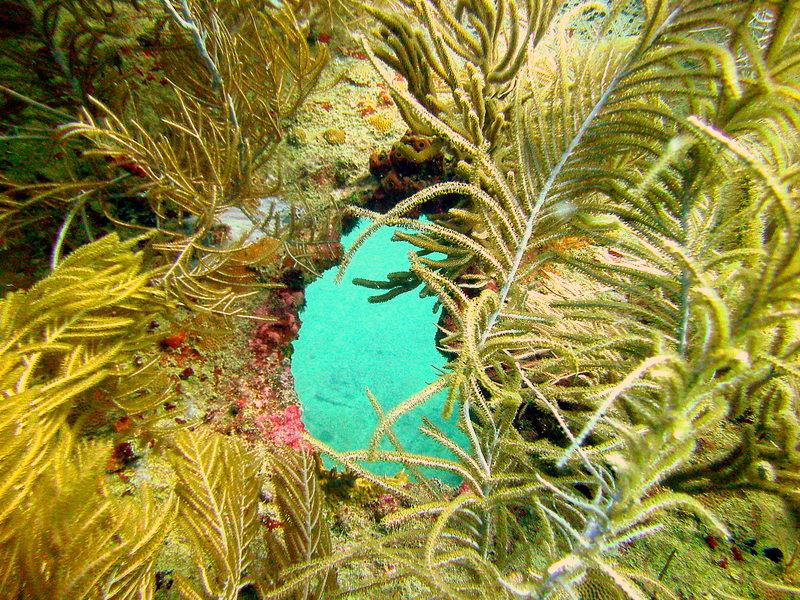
(78, 541)
(78, 336)
(76, 339)
(218, 487)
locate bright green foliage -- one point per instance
(673, 152)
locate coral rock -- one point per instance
(174, 341)
(285, 429)
(412, 164)
(774, 554)
(335, 137)
(381, 123)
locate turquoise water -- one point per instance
(347, 345)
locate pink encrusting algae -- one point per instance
(286, 429)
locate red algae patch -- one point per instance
(284, 429)
(279, 328)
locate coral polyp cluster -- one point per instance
(285, 429)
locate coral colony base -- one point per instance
(452, 299)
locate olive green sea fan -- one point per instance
(197, 169)
(61, 51)
(303, 535)
(184, 155)
(218, 489)
(674, 148)
(250, 62)
(443, 541)
(77, 342)
(707, 268)
(324, 15)
(460, 59)
(245, 70)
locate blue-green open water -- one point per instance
(347, 345)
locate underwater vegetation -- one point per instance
(672, 151)
(162, 120)
(612, 236)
